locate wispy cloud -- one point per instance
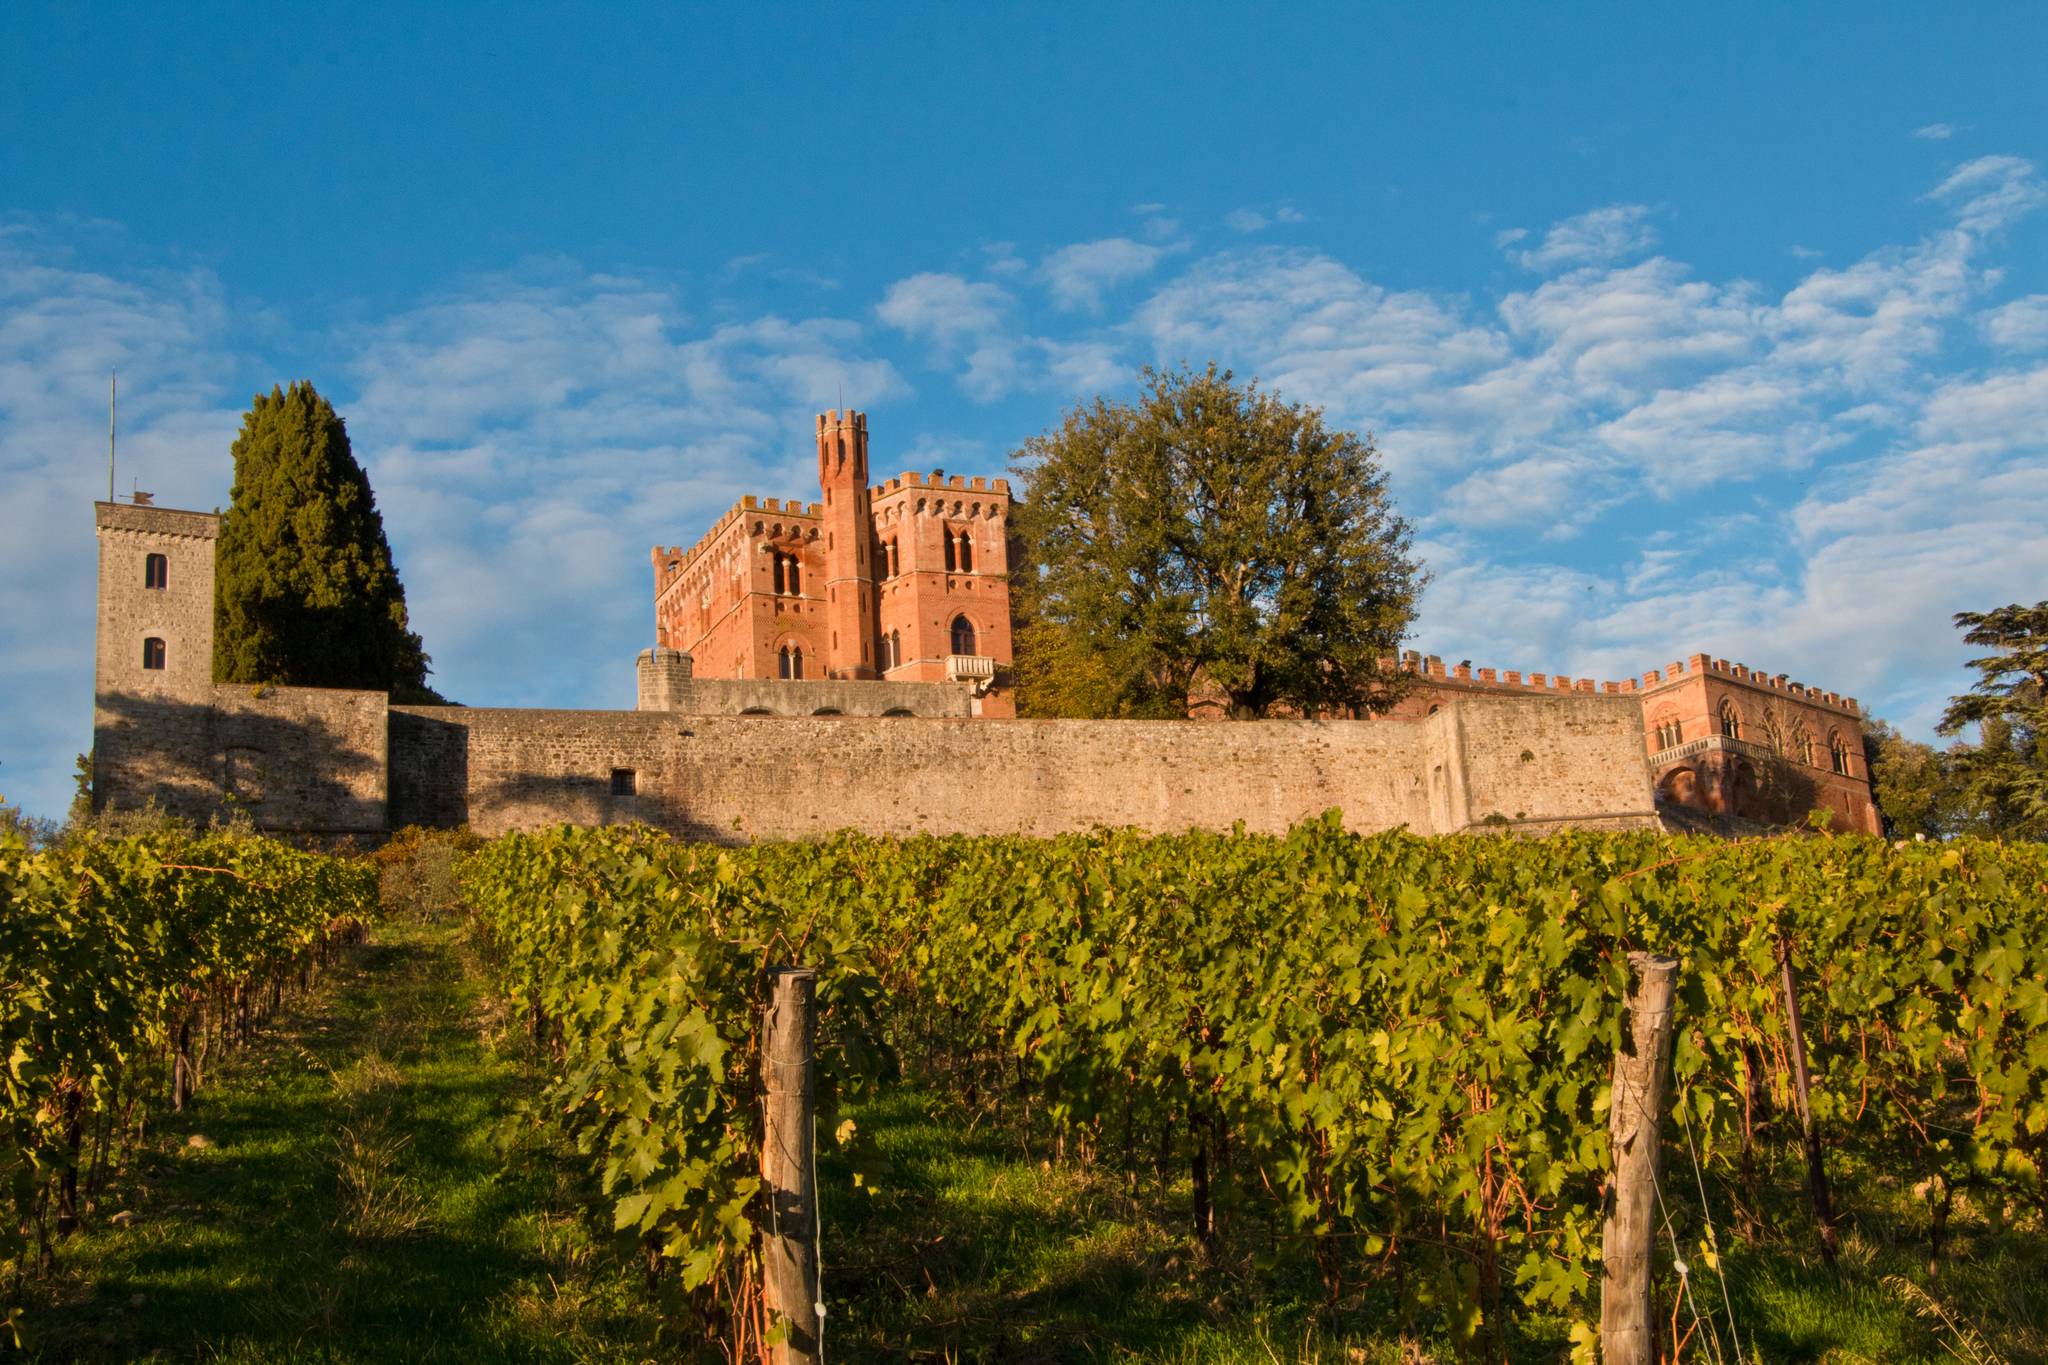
(1596, 238)
(2021, 325)
(1079, 274)
(1936, 132)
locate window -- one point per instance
(963, 635)
(153, 653)
(895, 650)
(1731, 720)
(895, 565)
(966, 553)
(156, 571)
(625, 782)
(778, 575)
(1802, 745)
(796, 577)
(1670, 734)
(952, 556)
(1838, 753)
(790, 661)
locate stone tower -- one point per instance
(155, 629)
(849, 561)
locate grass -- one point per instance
(336, 1196)
(345, 1201)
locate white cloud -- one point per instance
(1991, 192)
(1596, 238)
(1936, 132)
(942, 308)
(2021, 325)
(1245, 220)
(1079, 274)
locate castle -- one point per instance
(794, 642)
(906, 581)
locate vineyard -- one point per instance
(1391, 1052)
(128, 967)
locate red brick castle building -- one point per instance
(903, 581)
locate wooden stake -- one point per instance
(789, 1251)
(1628, 1314)
(1816, 1173)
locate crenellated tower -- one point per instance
(849, 529)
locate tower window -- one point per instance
(779, 582)
(1731, 720)
(153, 653)
(952, 556)
(625, 782)
(963, 635)
(156, 571)
(966, 553)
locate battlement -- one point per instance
(156, 521)
(940, 480)
(833, 419)
(1432, 667)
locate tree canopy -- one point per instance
(2006, 771)
(1207, 536)
(305, 590)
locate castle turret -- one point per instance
(849, 527)
(662, 676)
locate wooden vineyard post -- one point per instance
(1628, 1312)
(1816, 1173)
(789, 1248)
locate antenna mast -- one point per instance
(113, 387)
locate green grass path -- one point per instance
(337, 1196)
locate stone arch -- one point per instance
(899, 711)
(963, 635)
(828, 711)
(1681, 786)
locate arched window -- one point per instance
(1731, 720)
(156, 571)
(963, 635)
(952, 554)
(153, 653)
(895, 566)
(1670, 734)
(782, 663)
(1838, 753)
(796, 661)
(796, 577)
(966, 553)
(778, 576)
(895, 650)
(1802, 744)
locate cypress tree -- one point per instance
(305, 591)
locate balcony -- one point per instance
(974, 668)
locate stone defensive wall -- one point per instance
(305, 759)
(1534, 764)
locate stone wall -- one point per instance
(293, 758)
(730, 779)
(1534, 763)
(847, 697)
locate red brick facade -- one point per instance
(1714, 732)
(906, 580)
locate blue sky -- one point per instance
(1720, 328)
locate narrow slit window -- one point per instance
(153, 653)
(156, 572)
(952, 558)
(966, 553)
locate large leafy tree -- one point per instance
(1916, 786)
(2006, 771)
(306, 593)
(1207, 536)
